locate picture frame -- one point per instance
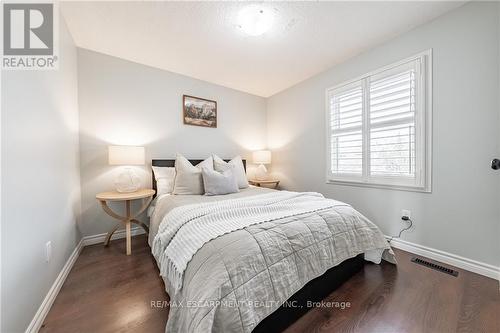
(197, 111)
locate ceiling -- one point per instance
(203, 40)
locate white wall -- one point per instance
(124, 103)
(462, 214)
(40, 182)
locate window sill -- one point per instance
(380, 186)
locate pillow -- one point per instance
(165, 177)
(217, 183)
(188, 178)
(238, 170)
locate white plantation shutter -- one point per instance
(392, 122)
(346, 112)
(392, 151)
(376, 127)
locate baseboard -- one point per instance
(448, 258)
(44, 308)
(97, 239)
(49, 299)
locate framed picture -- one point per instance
(199, 111)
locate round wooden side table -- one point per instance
(105, 197)
(261, 183)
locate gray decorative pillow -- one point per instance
(188, 179)
(217, 183)
(238, 169)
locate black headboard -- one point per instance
(171, 163)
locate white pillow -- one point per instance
(217, 183)
(188, 178)
(239, 170)
(165, 178)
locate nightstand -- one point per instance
(264, 183)
(146, 195)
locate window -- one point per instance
(378, 127)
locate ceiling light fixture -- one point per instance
(255, 20)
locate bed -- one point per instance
(251, 261)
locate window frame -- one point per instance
(423, 132)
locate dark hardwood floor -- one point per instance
(107, 291)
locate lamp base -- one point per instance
(261, 173)
(127, 181)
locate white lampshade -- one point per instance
(262, 157)
(126, 155)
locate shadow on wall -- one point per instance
(290, 164)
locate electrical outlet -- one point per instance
(48, 251)
(406, 212)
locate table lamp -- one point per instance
(261, 157)
(127, 181)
